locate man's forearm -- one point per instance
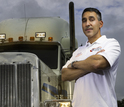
(93, 63)
(72, 74)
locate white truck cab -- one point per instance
(32, 53)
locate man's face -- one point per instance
(91, 25)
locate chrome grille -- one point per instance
(15, 85)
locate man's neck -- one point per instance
(94, 38)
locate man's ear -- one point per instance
(101, 24)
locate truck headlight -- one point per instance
(40, 34)
(58, 103)
(3, 36)
(65, 104)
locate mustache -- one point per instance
(88, 28)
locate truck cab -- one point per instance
(32, 53)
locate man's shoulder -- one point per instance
(110, 40)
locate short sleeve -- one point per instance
(112, 51)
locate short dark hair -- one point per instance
(90, 9)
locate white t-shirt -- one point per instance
(97, 89)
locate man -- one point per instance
(93, 65)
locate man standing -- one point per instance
(93, 65)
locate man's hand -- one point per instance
(70, 66)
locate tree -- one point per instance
(120, 103)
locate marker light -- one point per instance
(20, 38)
(2, 36)
(50, 38)
(40, 34)
(10, 39)
(32, 38)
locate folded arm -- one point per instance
(93, 63)
(69, 74)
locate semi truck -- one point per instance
(32, 53)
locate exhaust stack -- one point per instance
(72, 27)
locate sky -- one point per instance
(112, 13)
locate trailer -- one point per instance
(32, 53)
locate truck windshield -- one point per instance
(46, 53)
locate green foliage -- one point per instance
(120, 103)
